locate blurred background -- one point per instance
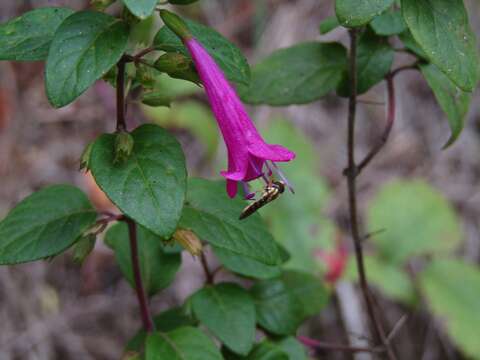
(418, 202)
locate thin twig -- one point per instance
(320, 345)
(121, 124)
(147, 320)
(388, 128)
(351, 174)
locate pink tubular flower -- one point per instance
(247, 151)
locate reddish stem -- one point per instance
(147, 320)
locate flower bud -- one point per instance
(176, 24)
(145, 76)
(155, 99)
(83, 248)
(85, 158)
(123, 147)
(101, 5)
(177, 66)
(189, 241)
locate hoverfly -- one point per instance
(270, 193)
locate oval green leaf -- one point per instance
(285, 302)
(44, 224)
(389, 23)
(226, 55)
(213, 216)
(453, 101)
(354, 13)
(416, 219)
(296, 75)
(181, 344)
(246, 266)
(150, 185)
(85, 46)
(228, 311)
(442, 30)
(451, 289)
(28, 37)
(157, 267)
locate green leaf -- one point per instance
(157, 267)
(296, 75)
(85, 46)
(285, 349)
(166, 321)
(442, 30)
(246, 266)
(181, 344)
(213, 216)
(141, 8)
(150, 186)
(389, 23)
(374, 60)
(28, 37)
(44, 224)
(328, 25)
(226, 55)
(228, 311)
(292, 347)
(453, 101)
(353, 13)
(411, 45)
(390, 279)
(422, 221)
(284, 303)
(451, 289)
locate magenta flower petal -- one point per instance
(247, 151)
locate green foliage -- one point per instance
(44, 224)
(456, 53)
(158, 268)
(228, 311)
(213, 216)
(285, 349)
(85, 46)
(354, 13)
(245, 266)
(416, 219)
(374, 60)
(181, 344)
(150, 186)
(389, 23)
(451, 289)
(285, 302)
(296, 75)
(412, 45)
(226, 54)
(28, 37)
(452, 100)
(141, 8)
